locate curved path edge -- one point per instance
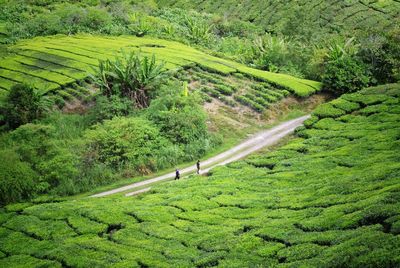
(251, 145)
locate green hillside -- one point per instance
(111, 98)
(305, 16)
(53, 63)
(329, 198)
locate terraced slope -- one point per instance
(53, 63)
(232, 90)
(330, 198)
(274, 15)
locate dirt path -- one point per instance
(253, 144)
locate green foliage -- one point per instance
(345, 105)
(304, 21)
(26, 260)
(328, 199)
(24, 104)
(344, 71)
(328, 110)
(53, 60)
(109, 107)
(52, 150)
(61, 172)
(125, 141)
(139, 26)
(130, 76)
(57, 167)
(65, 18)
(198, 31)
(33, 142)
(296, 34)
(345, 75)
(16, 178)
(180, 118)
(380, 51)
(271, 52)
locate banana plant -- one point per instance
(340, 49)
(130, 75)
(198, 31)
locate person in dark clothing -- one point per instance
(198, 166)
(177, 175)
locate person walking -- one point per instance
(198, 166)
(177, 174)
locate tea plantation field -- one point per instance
(314, 15)
(232, 90)
(54, 63)
(330, 197)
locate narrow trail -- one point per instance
(251, 145)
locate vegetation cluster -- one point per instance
(64, 154)
(293, 45)
(81, 148)
(328, 198)
(96, 91)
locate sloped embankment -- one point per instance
(331, 198)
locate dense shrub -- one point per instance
(65, 18)
(381, 52)
(109, 107)
(125, 141)
(24, 104)
(33, 142)
(345, 75)
(226, 90)
(343, 70)
(16, 178)
(180, 118)
(60, 173)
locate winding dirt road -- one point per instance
(253, 144)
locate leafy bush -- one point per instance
(140, 25)
(345, 75)
(125, 141)
(344, 72)
(250, 103)
(381, 52)
(64, 18)
(16, 178)
(33, 142)
(180, 118)
(24, 104)
(109, 107)
(61, 173)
